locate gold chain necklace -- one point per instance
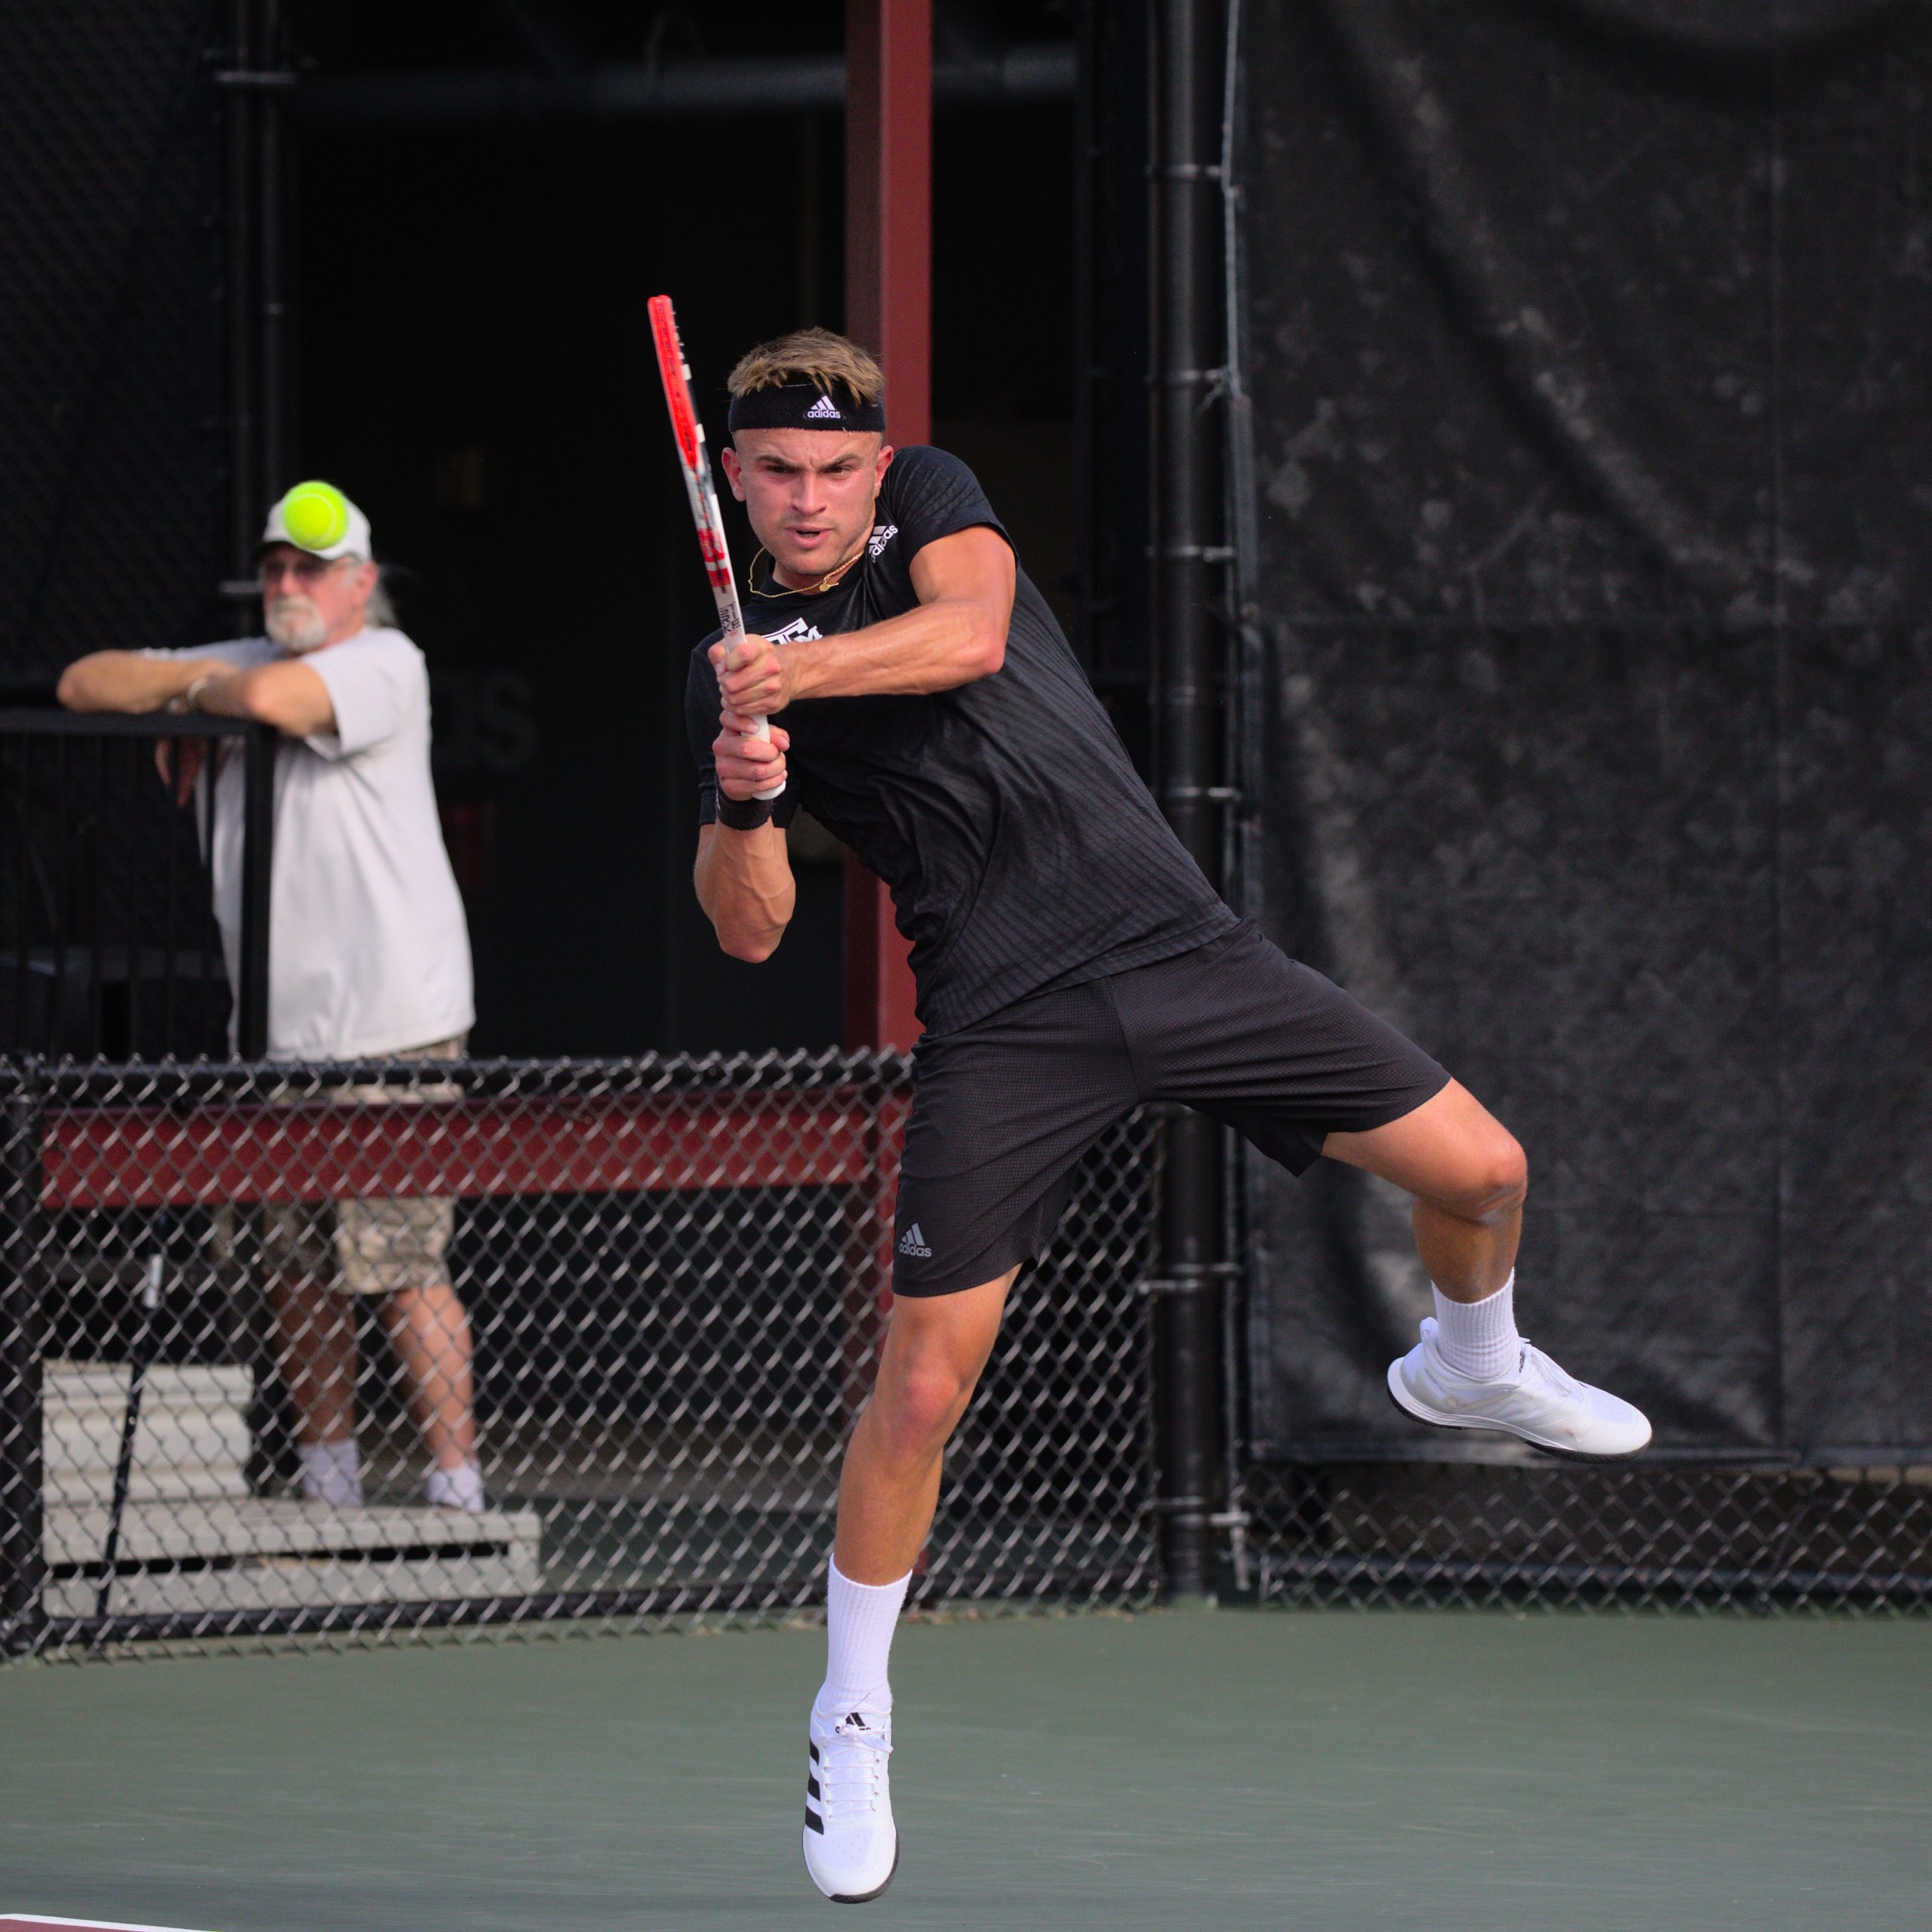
(824, 584)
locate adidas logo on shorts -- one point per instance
(823, 411)
(913, 1242)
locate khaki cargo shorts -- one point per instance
(368, 1248)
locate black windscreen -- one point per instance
(1589, 348)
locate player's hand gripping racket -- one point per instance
(699, 487)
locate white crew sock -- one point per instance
(332, 1472)
(458, 1488)
(860, 1619)
(1478, 1339)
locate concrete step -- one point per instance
(79, 1386)
(293, 1583)
(260, 1554)
(193, 1539)
(169, 1532)
(192, 1442)
(188, 1484)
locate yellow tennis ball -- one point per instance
(315, 516)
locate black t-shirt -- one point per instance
(1021, 848)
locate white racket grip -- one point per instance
(761, 729)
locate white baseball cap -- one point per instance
(332, 525)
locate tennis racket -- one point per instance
(699, 487)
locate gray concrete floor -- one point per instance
(1233, 1769)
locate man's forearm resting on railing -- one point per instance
(289, 696)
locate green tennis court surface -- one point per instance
(1279, 1769)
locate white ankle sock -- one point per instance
(458, 1488)
(860, 1619)
(1478, 1339)
(332, 1472)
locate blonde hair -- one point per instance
(810, 355)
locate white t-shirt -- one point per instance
(368, 951)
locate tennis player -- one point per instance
(1071, 962)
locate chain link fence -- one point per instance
(653, 1289)
(1532, 1533)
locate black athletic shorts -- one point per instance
(1005, 1108)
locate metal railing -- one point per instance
(108, 948)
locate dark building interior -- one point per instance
(409, 250)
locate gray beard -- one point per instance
(295, 624)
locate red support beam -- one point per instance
(889, 201)
(146, 1157)
(888, 307)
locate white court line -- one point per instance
(9, 1918)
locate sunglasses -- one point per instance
(303, 570)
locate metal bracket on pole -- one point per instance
(1186, 1277)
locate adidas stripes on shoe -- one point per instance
(852, 1844)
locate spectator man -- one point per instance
(368, 954)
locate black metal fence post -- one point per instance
(1189, 571)
(258, 85)
(271, 1442)
(23, 1544)
(246, 490)
(276, 81)
(251, 995)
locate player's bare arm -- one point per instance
(744, 878)
(965, 584)
(744, 884)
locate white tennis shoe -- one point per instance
(1540, 1403)
(852, 1844)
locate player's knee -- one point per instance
(921, 1407)
(1488, 1181)
(1499, 1181)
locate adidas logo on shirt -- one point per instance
(882, 534)
(823, 411)
(913, 1242)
